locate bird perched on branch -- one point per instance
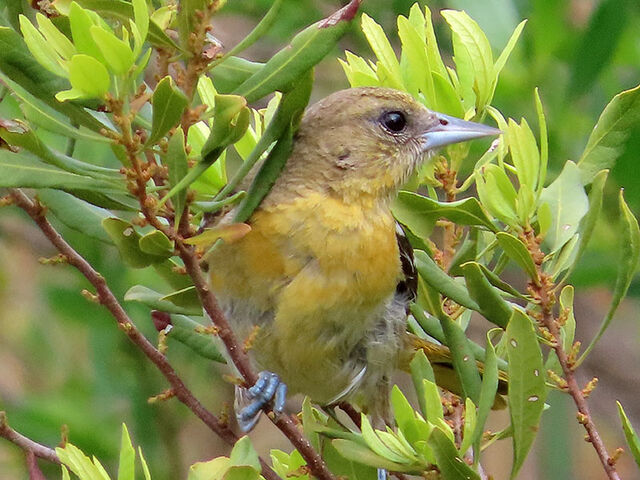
(325, 273)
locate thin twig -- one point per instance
(543, 294)
(26, 444)
(108, 299)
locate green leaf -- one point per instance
(80, 464)
(421, 370)
(89, 79)
(234, 72)
(141, 16)
(127, 463)
(588, 222)
(544, 143)
(415, 62)
(568, 202)
(211, 470)
(487, 393)
(305, 50)
(243, 454)
(157, 301)
(186, 331)
(19, 66)
(492, 306)
(446, 99)
(176, 161)
(361, 454)
(375, 443)
(609, 136)
(156, 243)
(186, 298)
(230, 121)
(527, 390)
(81, 22)
(517, 251)
(22, 169)
(41, 50)
(479, 50)
(76, 214)
(382, 49)
(439, 280)
(461, 212)
(567, 331)
(168, 104)
(145, 467)
(61, 44)
(506, 52)
(464, 361)
(433, 52)
(630, 434)
(451, 466)
(628, 263)
(127, 241)
(18, 134)
(497, 194)
(116, 52)
(123, 12)
(524, 152)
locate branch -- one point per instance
(108, 299)
(26, 444)
(543, 294)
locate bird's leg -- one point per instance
(382, 474)
(251, 401)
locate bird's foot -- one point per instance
(251, 401)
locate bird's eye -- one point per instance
(394, 122)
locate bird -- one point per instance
(322, 281)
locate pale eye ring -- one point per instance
(394, 122)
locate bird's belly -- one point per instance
(318, 293)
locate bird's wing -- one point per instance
(408, 286)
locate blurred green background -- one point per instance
(63, 361)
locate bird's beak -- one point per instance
(450, 130)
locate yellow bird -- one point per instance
(325, 273)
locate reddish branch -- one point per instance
(108, 299)
(26, 444)
(543, 294)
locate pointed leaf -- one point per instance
(168, 104)
(439, 280)
(461, 212)
(186, 331)
(628, 263)
(451, 466)
(116, 52)
(630, 434)
(464, 361)
(527, 390)
(156, 243)
(492, 306)
(157, 301)
(610, 134)
(517, 251)
(305, 50)
(41, 50)
(76, 214)
(568, 202)
(126, 465)
(127, 241)
(176, 160)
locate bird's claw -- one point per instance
(249, 402)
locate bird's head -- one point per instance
(366, 142)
